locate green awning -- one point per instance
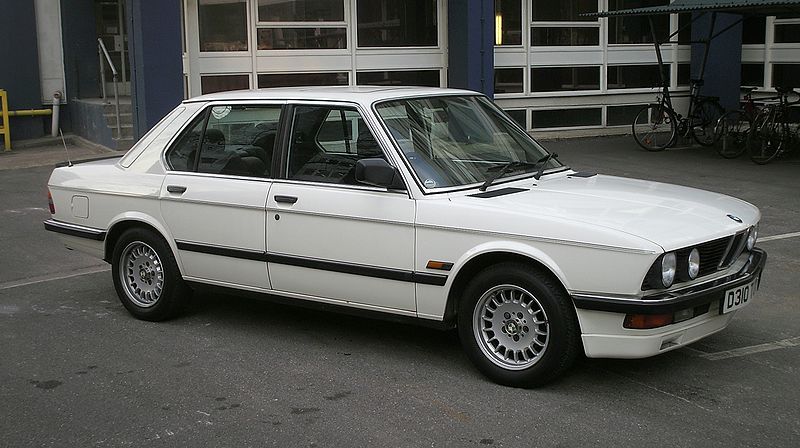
(750, 7)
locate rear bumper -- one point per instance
(601, 318)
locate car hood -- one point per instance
(670, 216)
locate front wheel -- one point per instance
(704, 120)
(146, 276)
(654, 127)
(517, 325)
(731, 134)
(767, 139)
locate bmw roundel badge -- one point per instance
(735, 218)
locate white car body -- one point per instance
(597, 235)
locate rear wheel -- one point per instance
(517, 325)
(654, 127)
(705, 117)
(731, 134)
(767, 138)
(146, 276)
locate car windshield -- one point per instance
(451, 141)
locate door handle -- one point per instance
(285, 199)
(179, 189)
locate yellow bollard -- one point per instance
(4, 129)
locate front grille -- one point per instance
(711, 254)
(736, 248)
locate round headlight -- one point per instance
(694, 263)
(668, 265)
(752, 237)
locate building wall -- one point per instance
(19, 75)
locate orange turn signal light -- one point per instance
(440, 265)
(645, 321)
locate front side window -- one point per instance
(232, 139)
(326, 142)
(452, 141)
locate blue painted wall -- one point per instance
(471, 45)
(81, 65)
(723, 69)
(154, 45)
(19, 67)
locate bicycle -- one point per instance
(771, 133)
(657, 125)
(733, 127)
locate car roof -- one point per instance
(358, 94)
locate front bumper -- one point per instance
(601, 317)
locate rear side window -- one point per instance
(231, 139)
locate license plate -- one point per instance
(738, 297)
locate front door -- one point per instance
(330, 237)
(213, 199)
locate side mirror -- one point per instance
(377, 172)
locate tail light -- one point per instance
(50, 203)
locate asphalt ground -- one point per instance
(77, 370)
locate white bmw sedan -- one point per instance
(420, 203)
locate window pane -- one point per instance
(785, 75)
(549, 10)
(753, 75)
(326, 142)
(754, 30)
(301, 38)
(223, 25)
(397, 23)
(518, 115)
(302, 79)
(508, 22)
(222, 83)
(508, 80)
(636, 30)
(300, 10)
(789, 33)
(622, 115)
(182, 155)
(563, 118)
(635, 76)
(565, 78)
(684, 74)
(425, 78)
(685, 34)
(564, 36)
(239, 140)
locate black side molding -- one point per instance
(323, 265)
(75, 230)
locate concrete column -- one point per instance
(470, 39)
(723, 69)
(154, 54)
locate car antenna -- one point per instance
(64, 142)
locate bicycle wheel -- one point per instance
(654, 127)
(704, 120)
(731, 134)
(767, 138)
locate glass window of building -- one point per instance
(301, 38)
(752, 74)
(560, 118)
(572, 29)
(425, 78)
(508, 80)
(785, 75)
(300, 10)
(622, 115)
(563, 36)
(554, 79)
(302, 79)
(397, 23)
(636, 29)
(222, 83)
(787, 33)
(562, 11)
(754, 30)
(508, 22)
(223, 25)
(519, 116)
(635, 76)
(301, 25)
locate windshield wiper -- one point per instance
(499, 170)
(544, 161)
(510, 166)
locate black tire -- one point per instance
(766, 139)
(142, 263)
(550, 312)
(731, 134)
(704, 120)
(654, 127)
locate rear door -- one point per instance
(214, 195)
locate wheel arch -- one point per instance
(127, 221)
(481, 259)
